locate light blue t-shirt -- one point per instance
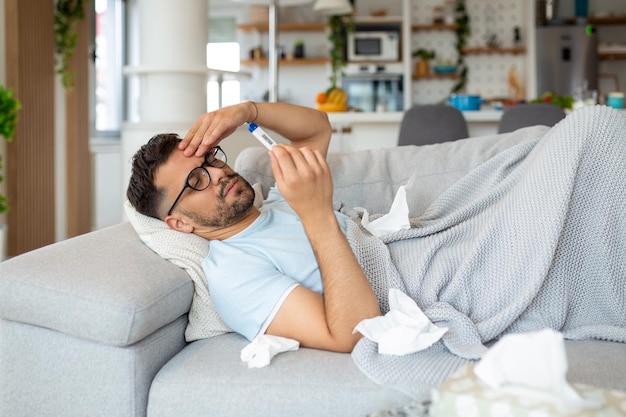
(250, 274)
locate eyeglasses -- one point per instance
(199, 178)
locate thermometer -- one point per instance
(262, 137)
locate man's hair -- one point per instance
(142, 194)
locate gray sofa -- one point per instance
(94, 325)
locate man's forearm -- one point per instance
(348, 296)
(303, 177)
(303, 126)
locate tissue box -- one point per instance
(463, 394)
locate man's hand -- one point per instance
(211, 128)
(303, 178)
(302, 126)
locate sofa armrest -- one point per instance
(105, 286)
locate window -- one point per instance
(107, 67)
(223, 87)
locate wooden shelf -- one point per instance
(476, 51)
(608, 20)
(290, 62)
(435, 26)
(611, 55)
(378, 20)
(284, 27)
(435, 76)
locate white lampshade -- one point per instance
(333, 7)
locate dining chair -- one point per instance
(529, 114)
(425, 124)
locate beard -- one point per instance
(227, 213)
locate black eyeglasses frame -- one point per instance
(216, 163)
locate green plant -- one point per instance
(339, 27)
(67, 14)
(425, 54)
(8, 125)
(463, 32)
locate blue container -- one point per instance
(465, 102)
(615, 100)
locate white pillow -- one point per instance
(186, 251)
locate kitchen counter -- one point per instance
(361, 130)
(367, 130)
(391, 117)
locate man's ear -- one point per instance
(179, 224)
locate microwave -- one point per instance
(374, 46)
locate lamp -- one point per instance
(333, 7)
(273, 38)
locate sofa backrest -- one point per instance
(370, 178)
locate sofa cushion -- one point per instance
(105, 286)
(207, 378)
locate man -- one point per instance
(284, 270)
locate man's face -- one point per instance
(225, 202)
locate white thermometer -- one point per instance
(262, 137)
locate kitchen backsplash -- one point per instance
(488, 74)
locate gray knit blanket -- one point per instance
(534, 237)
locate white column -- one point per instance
(169, 63)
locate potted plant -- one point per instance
(339, 27)
(422, 66)
(67, 14)
(8, 124)
(298, 49)
(463, 32)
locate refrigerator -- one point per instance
(567, 59)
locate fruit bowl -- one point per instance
(335, 100)
(332, 107)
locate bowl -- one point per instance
(465, 102)
(445, 69)
(332, 107)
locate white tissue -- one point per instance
(396, 219)
(263, 348)
(404, 329)
(532, 365)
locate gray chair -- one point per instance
(532, 114)
(425, 124)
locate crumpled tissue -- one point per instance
(532, 365)
(396, 219)
(263, 348)
(404, 329)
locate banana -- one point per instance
(337, 96)
(332, 97)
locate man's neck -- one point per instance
(229, 231)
